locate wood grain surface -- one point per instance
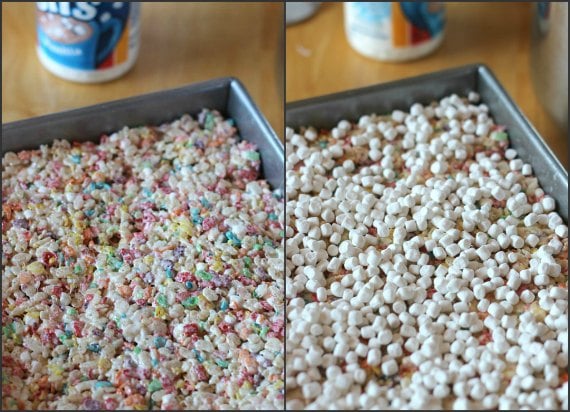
(319, 59)
(181, 43)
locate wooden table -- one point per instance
(181, 43)
(320, 60)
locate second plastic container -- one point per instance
(87, 42)
(394, 31)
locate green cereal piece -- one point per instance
(137, 350)
(499, 136)
(154, 385)
(222, 363)
(71, 311)
(247, 261)
(191, 301)
(115, 263)
(209, 123)
(162, 301)
(251, 155)
(9, 330)
(202, 274)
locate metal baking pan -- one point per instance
(326, 111)
(227, 95)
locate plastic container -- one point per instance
(296, 12)
(394, 31)
(549, 60)
(88, 42)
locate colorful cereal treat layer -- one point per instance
(145, 271)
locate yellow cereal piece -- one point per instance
(160, 312)
(77, 238)
(33, 314)
(17, 339)
(217, 266)
(184, 226)
(36, 268)
(148, 260)
(104, 364)
(55, 370)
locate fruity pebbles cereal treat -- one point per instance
(144, 272)
(426, 268)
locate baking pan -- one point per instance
(227, 95)
(326, 111)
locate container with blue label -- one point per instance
(88, 42)
(394, 31)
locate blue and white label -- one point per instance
(84, 35)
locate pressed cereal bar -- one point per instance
(143, 272)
